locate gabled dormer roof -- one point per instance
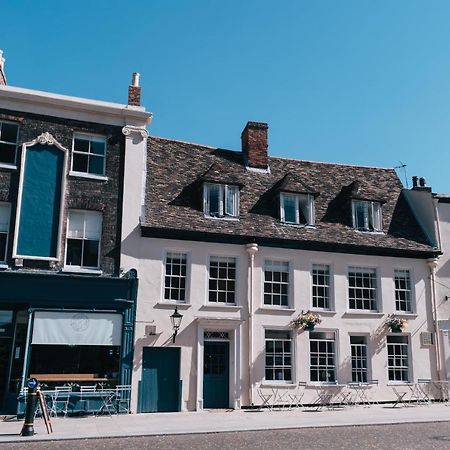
(293, 184)
(218, 173)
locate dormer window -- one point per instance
(367, 215)
(297, 208)
(221, 200)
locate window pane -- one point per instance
(290, 208)
(98, 146)
(361, 215)
(4, 217)
(93, 229)
(3, 239)
(76, 224)
(96, 165)
(80, 162)
(81, 145)
(214, 199)
(231, 200)
(304, 209)
(90, 253)
(8, 132)
(7, 153)
(74, 247)
(376, 208)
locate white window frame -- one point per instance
(373, 219)
(7, 207)
(335, 354)
(410, 291)
(282, 366)
(367, 361)
(403, 369)
(310, 216)
(225, 209)
(267, 263)
(218, 303)
(4, 164)
(88, 137)
(81, 267)
(186, 277)
(330, 287)
(376, 288)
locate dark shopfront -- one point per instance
(64, 329)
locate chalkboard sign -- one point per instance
(45, 414)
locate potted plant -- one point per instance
(306, 321)
(396, 324)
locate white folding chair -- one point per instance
(265, 398)
(85, 395)
(400, 397)
(60, 397)
(123, 394)
(296, 396)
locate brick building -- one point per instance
(66, 309)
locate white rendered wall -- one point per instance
(443, 286)
(147, 256)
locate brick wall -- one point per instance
(81, 193)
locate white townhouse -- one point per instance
(240, 244)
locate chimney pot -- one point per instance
(254, 145)
(2, 69)
(422, 182)
(414, 180)
(135, 79)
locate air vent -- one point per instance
(426, 338)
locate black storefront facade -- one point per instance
(64, 329)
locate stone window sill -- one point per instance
(275, 310)
(69, 269)
(362, 314)
(8, 166)
(220, 307)
(88, 176)
(171, 305)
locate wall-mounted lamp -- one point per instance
(175, 318)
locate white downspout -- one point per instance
(252, 249)
(432, 264)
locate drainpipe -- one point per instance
(432, 264)
(252, 249)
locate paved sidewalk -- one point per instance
(220, 421)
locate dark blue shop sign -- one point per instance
(6, 319)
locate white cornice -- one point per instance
(56, 105)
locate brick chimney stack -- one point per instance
(134, 91)
(254, 145)
(2, 69)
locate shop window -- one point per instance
(276, 283)
(297, 209)
(84, 229)
(279, 360)
(221, 200)
(5, 213)
(88, 154)
(9, 133)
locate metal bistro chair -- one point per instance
(109, 402)
(265, 398)
(424, 390)
(400, 397)
(86, 395)
(123, 397)
(296, 396)
(59, 400)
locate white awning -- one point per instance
(76, 328)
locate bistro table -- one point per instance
(326, 393)
(360, 390)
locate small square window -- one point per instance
(221, 200)
(88, 154)
(9, 133)
(367, 216)
(297, 209)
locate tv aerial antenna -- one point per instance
(403, 166)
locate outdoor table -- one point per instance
(442, 388)
(326, 392)
(360, 390)
(279, 397)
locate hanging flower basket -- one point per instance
(396, 324)
(306, 321)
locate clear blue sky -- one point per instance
(351, 81)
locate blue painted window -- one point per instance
(89, 154)
(5, 212)
(8, 142)
(84, 230)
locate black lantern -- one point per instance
(175, 318)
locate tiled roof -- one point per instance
(176, 170)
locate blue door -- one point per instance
(216, 377)
(160, 386)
